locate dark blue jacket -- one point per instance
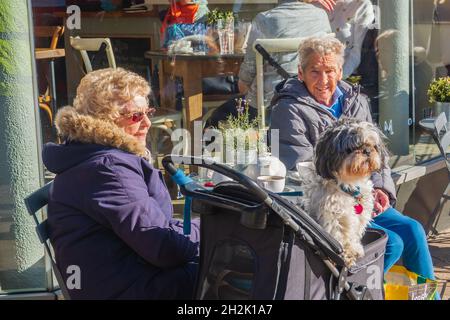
(301, 120)
(110, 214)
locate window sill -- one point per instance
(405, 174)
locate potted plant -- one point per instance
(240, 142)
(222, 28)
(240, 135)
(215, 15)
(439, 93)
(245, 147)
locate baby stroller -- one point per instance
(258, 245)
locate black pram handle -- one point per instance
(327, 248)
(266, 56)
(252, 186)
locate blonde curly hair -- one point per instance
(102, 93)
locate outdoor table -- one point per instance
(427, 124)
(51, 54)
(291, 192)
(192, 68)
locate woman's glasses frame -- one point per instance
(138, 116)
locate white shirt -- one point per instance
(350, 21)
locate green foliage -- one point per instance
(354, 79)
(216, 14)
(439, 90)
(240, 127)
(242, 121)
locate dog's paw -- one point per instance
(359, 250)
(352, 253)
(350, 260)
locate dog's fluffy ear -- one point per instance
(383, 151)
(328, 156)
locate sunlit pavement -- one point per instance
(440, 251)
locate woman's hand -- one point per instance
(327, 4)
(381, 202)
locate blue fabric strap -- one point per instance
(180, 178)
(187, 216)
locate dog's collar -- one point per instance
(355, 192)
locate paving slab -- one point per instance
(440, 252)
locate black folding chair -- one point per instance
(34, 202)
(441, 136)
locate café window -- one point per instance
(193, 56)
(395, 49)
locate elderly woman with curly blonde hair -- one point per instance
(109, 212)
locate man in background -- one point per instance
(290, 19)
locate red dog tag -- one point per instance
(358, 208)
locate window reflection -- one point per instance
(372, 48)
(394, 66)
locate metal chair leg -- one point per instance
(47, 109)
(53, 85)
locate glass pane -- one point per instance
(385, 77)
(22, 267)
(197, 62)
(431, 61)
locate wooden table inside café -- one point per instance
(192, 68)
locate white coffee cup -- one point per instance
(272, 183)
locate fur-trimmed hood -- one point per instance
(73, 126)
(103, 203)
(86, 137)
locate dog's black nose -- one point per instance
(367, 151)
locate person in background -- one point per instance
(109, 211)
(306, 106)
(182, 13)
(290, 19)
(350, 20)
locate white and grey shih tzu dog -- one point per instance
(339, 195)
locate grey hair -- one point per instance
(321, 45)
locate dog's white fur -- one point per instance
(334, 210)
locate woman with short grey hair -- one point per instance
(304, 107)
(322, 46)
(289, 19)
